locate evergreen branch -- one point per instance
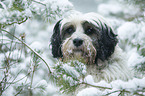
(16, 22)
(111, 92)
(39, 2)
(5, 79)
(131, 18)
(18, 93)
(9, 41)
(121, 90)
(13, 82)
(29, 48)
(96, 86)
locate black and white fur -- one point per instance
(90, 38)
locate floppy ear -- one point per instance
(56, 41)
(107, 42)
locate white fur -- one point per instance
(111, 69)
(116, 68)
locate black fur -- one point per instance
(56, 41)
(107, 43)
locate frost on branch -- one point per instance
(20, 68)
(68, 75)
(132, 38)
(71, 77)
(18, 11)
(40, 87)
(135, 87)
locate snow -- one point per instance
(131, 85)
(3, 5)
(16, 54)
(42, 83)
(11, 91)
(114, 7)
(89, 79)
(128, 30)
(71, 70)
(53, 90)
(4, 39)
(36, 45)
(103, 84)
(134, 58)
(106, 9)
(38, 34)
(90, 92)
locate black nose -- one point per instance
(77, 42)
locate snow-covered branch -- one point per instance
(29, 48)
(66, 74)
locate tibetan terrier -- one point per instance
(88, 37)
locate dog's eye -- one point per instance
(70, 30)
(89, 31)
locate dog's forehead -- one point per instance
(72, 20)
(78, 19)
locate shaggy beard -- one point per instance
(85, 53)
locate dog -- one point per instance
(90, 38)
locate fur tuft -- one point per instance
(56, 41)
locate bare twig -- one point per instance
(17, 22)
(29, 48)
(3, 83)
(39, 3)
(121, 90)
(96, 86)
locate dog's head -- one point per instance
(83, 36)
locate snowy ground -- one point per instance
(38, 34)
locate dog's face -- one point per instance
(83, 36)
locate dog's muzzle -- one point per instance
(79, 49)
